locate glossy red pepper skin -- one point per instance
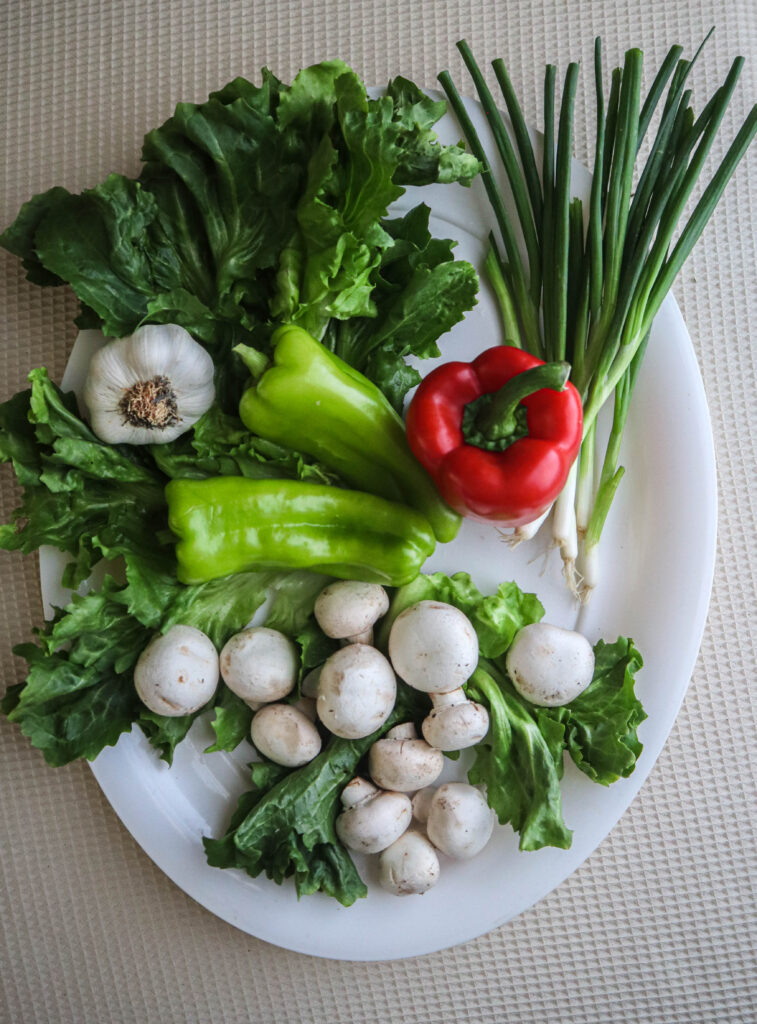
(509, 487)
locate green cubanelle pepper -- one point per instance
(314, 402)
(230, 524)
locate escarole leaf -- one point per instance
(601, 723)
(420, 293)
(520, 766)
(496, 618)
(422, 160)
(79, 495)
(262, 204)
(284, 827)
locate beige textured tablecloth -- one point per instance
(660, 923)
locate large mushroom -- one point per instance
(433, 646)
(177, 673)
(260, 665)
(356, 691)
(548, 665)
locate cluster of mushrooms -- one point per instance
(396, 813)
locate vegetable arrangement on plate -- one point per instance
(241, 444)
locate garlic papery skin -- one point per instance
(150, 387)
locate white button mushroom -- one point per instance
(260, 665)
(433, 646)
(356, 691)
(403, 762)
(409, 866)
(177, 673)
(309, 684)
(372, 818)
(549, 666)
(285, 735)
(421, 802)
(347, 610)
(455, 722)
(460, 822)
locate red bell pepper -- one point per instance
(497, 435)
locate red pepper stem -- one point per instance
(498, 418)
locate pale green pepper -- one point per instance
(229, 524)
(311, 400)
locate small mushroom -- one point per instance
(356, 691)
(309, 684)
(460, 822)
(433, 646)
(347, 610)
(455, 722)
(548, 665)
(285, 735)
(260, 665)
(177, 673)
(421, 803)
(307, 706)
(409, 866)
(403, 762)
(372, 818)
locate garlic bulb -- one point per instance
(150, 387)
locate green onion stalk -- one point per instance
(595, 275)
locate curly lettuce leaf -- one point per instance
(422, 160)
(80, 495)
(601, 723)
(263, 203)
(520, 766)
(231, 722)
(420, 293)
(496, 618)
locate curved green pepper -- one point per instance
(314, 402)
(230, 524)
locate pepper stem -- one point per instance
(256, 362)
(497, 420)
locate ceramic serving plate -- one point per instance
(657, 563)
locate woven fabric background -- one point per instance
(660, 923)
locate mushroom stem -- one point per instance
(366, 637)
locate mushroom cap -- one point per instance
(433, 646)
(309, 684)
(460, 822)
(374, 823)
(404, 765)
(409, 866)
(456, 726)
(260, 664)
(421, 802)
(548, 665)
(348, 608)
(356, 691)
(285, 735)
(177, 673)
